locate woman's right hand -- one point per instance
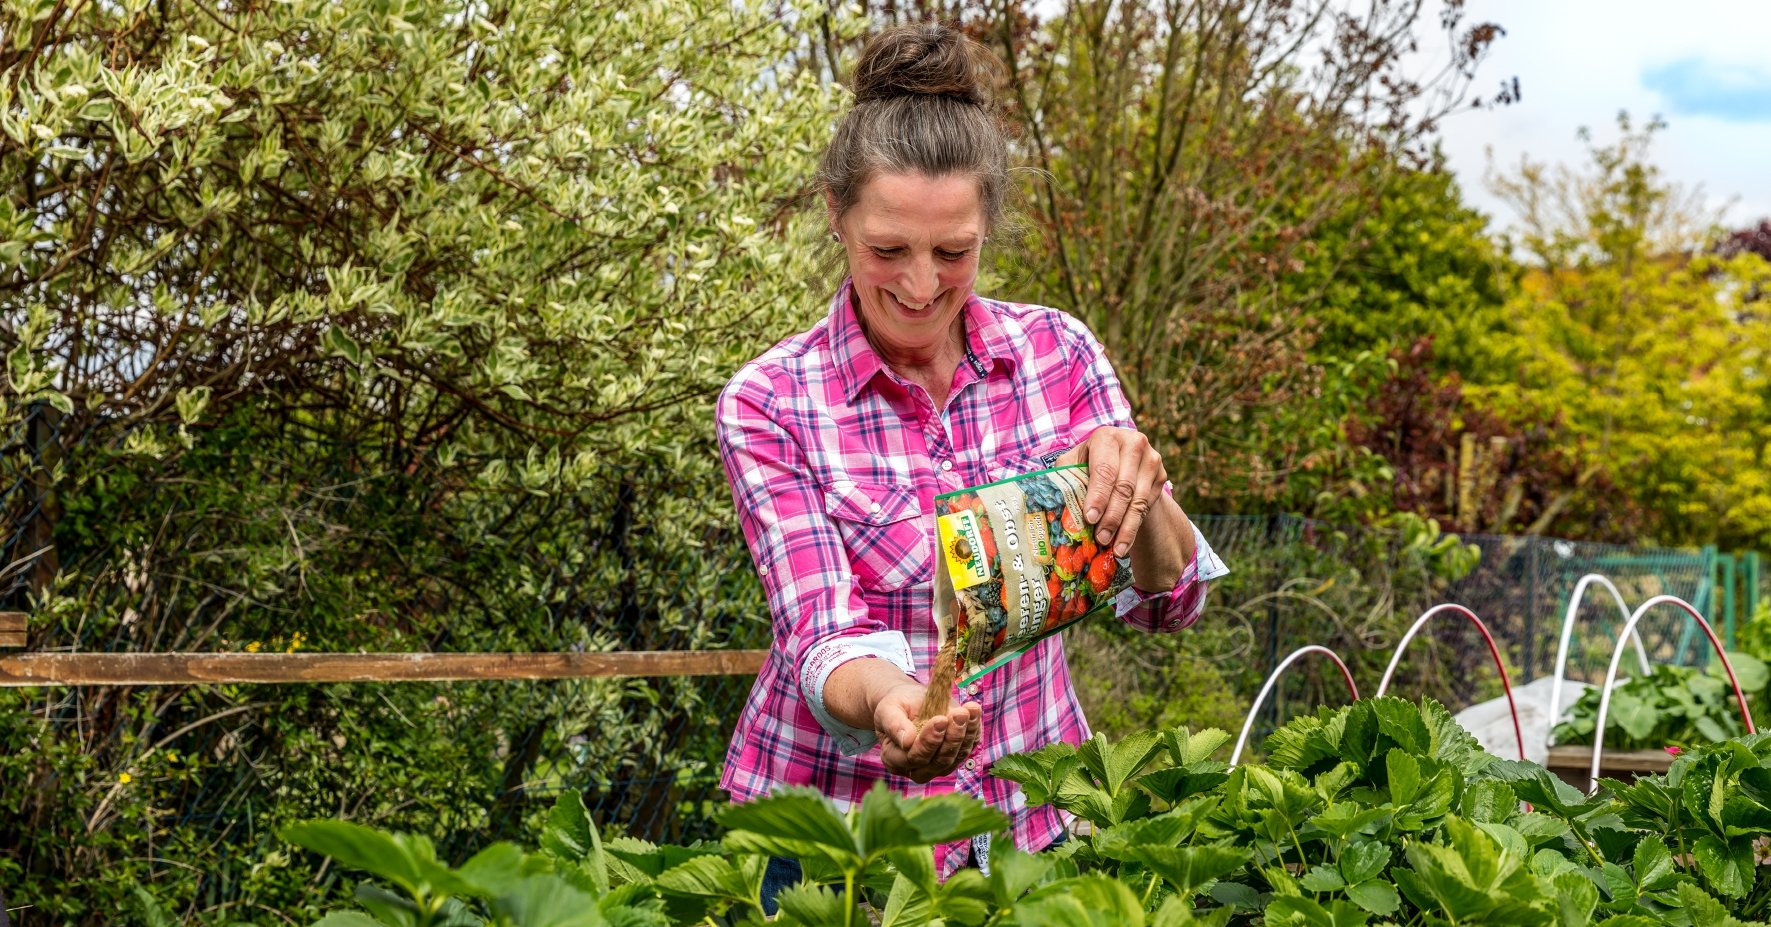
(944, 742)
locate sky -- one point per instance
(1702, 66)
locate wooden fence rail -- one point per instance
(178, 669)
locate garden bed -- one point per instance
(1573, 764)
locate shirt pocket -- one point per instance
(883, 533)
(1020, 463)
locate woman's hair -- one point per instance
(922, 104)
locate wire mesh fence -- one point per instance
(328, 545)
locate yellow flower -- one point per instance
(252, 647)
(125, 778)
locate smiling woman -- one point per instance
(837, 440)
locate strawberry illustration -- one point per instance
(1101, 570)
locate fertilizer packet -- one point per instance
(1017, 563)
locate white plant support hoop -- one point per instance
(1574, 601)
(1267, 687)
(1617, 656)
(1505, 683)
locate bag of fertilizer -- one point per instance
(1017, 563)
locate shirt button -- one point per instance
(946, 464)
(971, 764)
(877, 508)
(974, 689)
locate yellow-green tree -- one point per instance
(1642, 338)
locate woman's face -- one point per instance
(913, 244)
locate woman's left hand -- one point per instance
(1125, 482)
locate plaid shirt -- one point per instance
(834, 461)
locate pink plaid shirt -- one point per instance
(834, 462)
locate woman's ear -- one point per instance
(832, 215)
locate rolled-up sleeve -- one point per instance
(1097, 399)
(819, 617)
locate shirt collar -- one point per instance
(857, 363)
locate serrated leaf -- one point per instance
(792, 822)
(1095, 900)
(809, 905)
(493, 869)
(571, 835)
(1404, 776)
(705, 877)
(1728, 867)
(1377, 896)
(1175, 784)
(1653, 862)
(1188, 869)
(1363, 861)
(546, 901)
(1322, 879)
(1186, 748)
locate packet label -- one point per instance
(1019, 565)
(962, 547)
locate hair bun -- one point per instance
(927, 59)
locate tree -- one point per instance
(1636, 336)
(1190, 156)
(385, 326)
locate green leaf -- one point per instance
(148, 909)
(1175, 784)
(409, 862)
(1186, 748)
(1188, 869)
(706, 877)
(1364, 860)
(1168, 829)
(1344, 819)
(1654, 865)
(1377, 896)
(493, 870)
(1728, 867)
(1305, 912)
(1404, 776)
(793, 822)
(1178, 912)
(1095, 900)
(1576, 897)
(391, 909)
(346, 919)
(547, 901)
(571, 835)
(810, 905)
(1013, 872)
(1322, 879)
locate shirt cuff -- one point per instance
(823, 659)
(1206, 565)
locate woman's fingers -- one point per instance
(1124, 475)
(1146, 488)
(938, 749)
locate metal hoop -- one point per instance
(1505, 682)
(1260, 699)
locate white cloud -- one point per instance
(1579, 62)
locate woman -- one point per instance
(837, 440)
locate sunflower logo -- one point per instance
(960, 549)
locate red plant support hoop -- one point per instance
(1493, 651)
(1267, 687)
(1629, 626)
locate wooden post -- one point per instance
(178, 669)
(12, 629)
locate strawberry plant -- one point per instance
(1671, 705)
(1384, 812)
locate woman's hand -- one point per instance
(1125, 479)
(1126, 503)
(944, 742)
